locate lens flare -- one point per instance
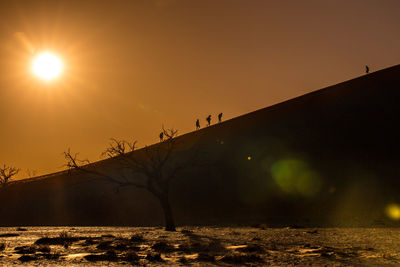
(393, 211)
(47, 66)
(296, 177)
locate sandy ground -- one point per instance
(199, 246)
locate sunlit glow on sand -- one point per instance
(393, 211)
(47, 66)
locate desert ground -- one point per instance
(199, 246)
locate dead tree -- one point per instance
(151, 168)
(6, 174)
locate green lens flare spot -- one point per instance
(295, 177)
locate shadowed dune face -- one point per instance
(326, 158)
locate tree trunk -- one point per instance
(169, 218)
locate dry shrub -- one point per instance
(27, 258)
(241, 258)
(183, 260)
(105, 245)
(252, 248)
(64, 235)
(62, 240)
(9, 235)
(108, 236)
(121, 246)
(44, 248)
(137, 238)
(205, 257)
(187, 232)
(110, 255)
(214, 247)
(162, 246)
(90, 241)
(154, 257)
(132, 256)
(25, 250)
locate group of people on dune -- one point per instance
(208, 119)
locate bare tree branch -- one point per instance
(72, 160)
(76, 164)
(118, 147)
(6, 174)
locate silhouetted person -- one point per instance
(161, 136)
(366, 69)
(197, 124)
(208, 119)
(219, 117)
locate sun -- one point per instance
(47, 66)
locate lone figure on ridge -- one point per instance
(220, 117)
(197, 124)
(366, 69)
(208, 119)
(161, 136)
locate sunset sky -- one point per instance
(132, 66)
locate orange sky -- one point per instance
(131, 66)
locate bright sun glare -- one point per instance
(47, 66)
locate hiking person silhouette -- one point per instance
(219, 117)
(366, 69)
(208, 119)
(161, 136)
(197, 124)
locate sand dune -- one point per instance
(328, 158)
